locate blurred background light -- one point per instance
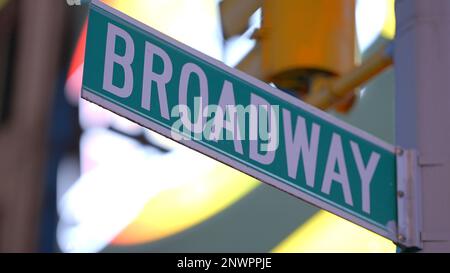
(372, 19)
(2, 3)
(326, 232)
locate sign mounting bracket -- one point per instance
(408, 199)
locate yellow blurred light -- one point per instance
(2, 3)
(325, 232)
(164, 15)
(150, 12)
(388, 30)
(178, 209)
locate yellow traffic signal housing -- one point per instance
(304, 46)
(301, 39)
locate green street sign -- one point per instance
(161, 84)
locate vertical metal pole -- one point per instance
(422, 67)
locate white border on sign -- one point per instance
(236, 164)
(389, 231)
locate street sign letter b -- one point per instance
(111, 58)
